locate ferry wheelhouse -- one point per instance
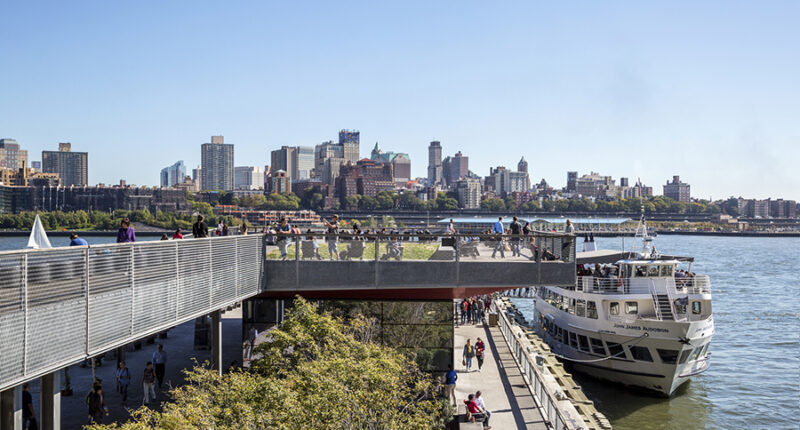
(644, 320)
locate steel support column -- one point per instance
(11, 409)
(50, 403)
(216, 341)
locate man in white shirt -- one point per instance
(479, 402)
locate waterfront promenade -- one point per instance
(501, 383)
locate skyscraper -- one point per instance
(572, 182)
(303, 163)
(72, 167)
(435, 163)
(216, 172)
(522, 166)
(11, 157)
(455, 168)
(284, 159)
(350, 140)
(173, 175)
(401, 162)
(328, 157)
(248, 178)
(469, 193)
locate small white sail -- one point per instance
(38, 238)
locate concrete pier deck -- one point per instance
(500, 381)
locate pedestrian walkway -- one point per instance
(502, 386)
(181, 355)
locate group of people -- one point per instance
(474, 402)
(473, 309)
(473, 351)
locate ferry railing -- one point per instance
(59, 306)
(547, 399)
(698, 284)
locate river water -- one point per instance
(754, 378)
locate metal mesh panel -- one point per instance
(155, 285)
(12, 318)
(224, 261)
(249, 273)
(195, 277)
(109, 295)
(55, 276)
(55, 334)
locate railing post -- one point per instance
(132, 279)
(457, 251)
(25, 313)
(86, 257)
(297, 261)
(177, 281)
(236, 241)
(377, 253)
(210, 274)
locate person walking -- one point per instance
(516, 232)
(464, 307)
(224, 229)
(450, 384)
(74, 240)
(149, 383)
(123, 381)
(498, 230)
(199, 228)
(480, 347)
(97, 405)
(565, 245)
(283, 243)
(468, 355)
(333, 237)
(160, 361)
(178, 234)
(126, 234)
(28, 413)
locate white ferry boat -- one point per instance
(644, 323)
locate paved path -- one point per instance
(500, 381)
(180, 353)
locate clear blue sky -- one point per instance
(708, 90)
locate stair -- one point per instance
(664, 307)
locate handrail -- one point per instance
(698, 284)
(546, 399)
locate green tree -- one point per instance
(493, 204)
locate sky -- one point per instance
(706, 90)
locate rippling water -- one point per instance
(754, 378)
(12, 243)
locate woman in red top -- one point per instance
(178, 234)
(476, 411)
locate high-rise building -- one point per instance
(279, 182)
(350, 141)
(303, 165)
(455, 168)
(623, 182)
(36, 165)
(11, 157)
(505, 182)
(72, 167)
(522, 166)
(677, 190)
(435, 163)
(173, 175)
(401, 163)
(595, 185)
(248, 178)
(216, 165)
(284, 159)
(328, 157)
(572, 182)
(469, 193)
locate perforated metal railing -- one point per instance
(58, 306)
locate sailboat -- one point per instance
(38, 238)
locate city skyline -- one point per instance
(678, 89)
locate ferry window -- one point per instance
(641, 270)
(641, 353)
(680, 305)
(580, 309)
(613, 308)
(573, 340)
(684, 356)
(615, 350)
(565, 337)
(571, 309)
(597, 346)
(583, 343)
(697, 353)
(652, 271)
(591, 310)
(666, 270)
(705, 349)
(696, 308)
(632, 308)
(668, 356)
(559, 333)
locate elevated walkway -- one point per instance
(59, 306)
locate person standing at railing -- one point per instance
(333, 237)
(516, 231)
(498, 230)
(178, 234)
(77, 241)
(199, 228)
(126, 233)
(567, 241)
(283, 243)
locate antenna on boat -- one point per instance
(648, 247)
